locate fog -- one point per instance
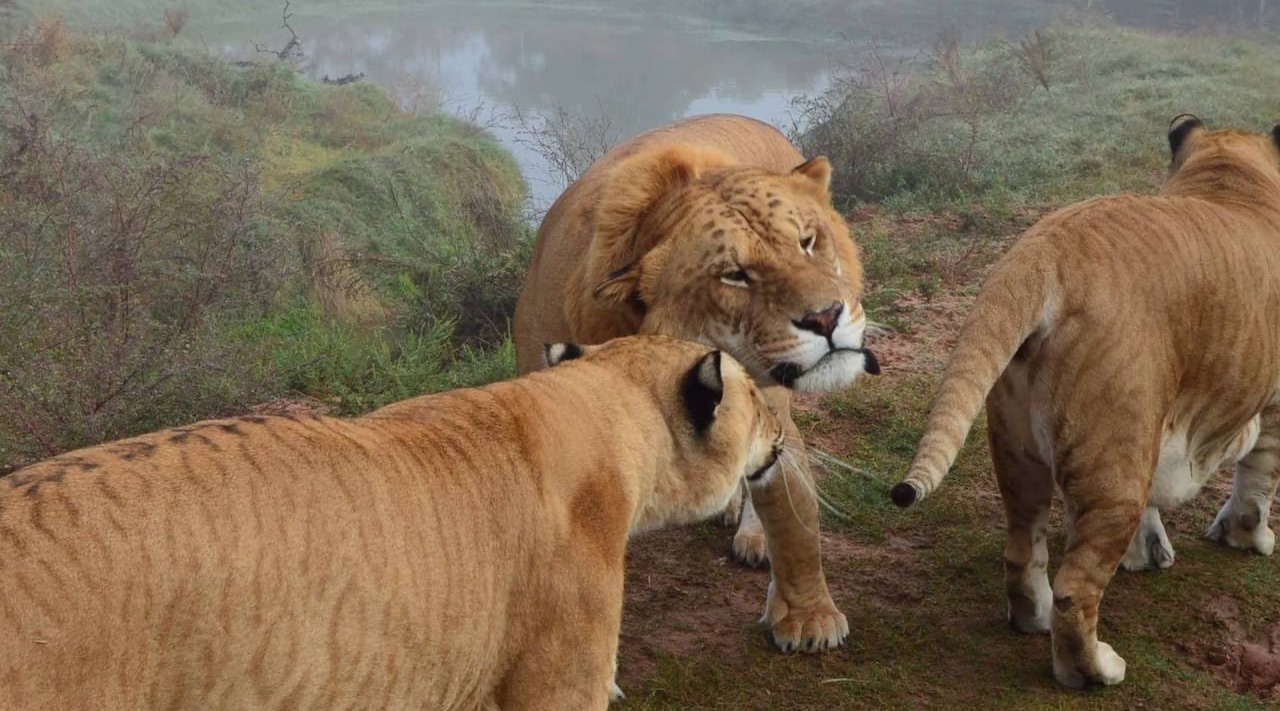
(614, 68)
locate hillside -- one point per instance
(182, 236)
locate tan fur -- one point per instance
(1129, 346)
(649, 241)
(456, 551)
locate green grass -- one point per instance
(360, 369)
(1102, 129)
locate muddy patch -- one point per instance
(1248, 664)
(686, 598)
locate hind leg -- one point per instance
(573, 679)
(1150, 548)
(571, 663)
(1242, 522)
(1105, 504)
(1026, 487)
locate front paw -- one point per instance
(804, 629)
(750, 547)
(1246, 531)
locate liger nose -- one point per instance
(822, 322)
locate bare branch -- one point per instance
(569, 145)
(292, 50)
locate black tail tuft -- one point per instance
(903, 495)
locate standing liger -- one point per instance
(715, 229)
(1127, 347)
(454, 552)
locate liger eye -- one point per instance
(736, 277)
(807, 242)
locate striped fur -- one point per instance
(1126, 347)
(456, 551)
(717, 230)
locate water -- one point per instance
(639, 72)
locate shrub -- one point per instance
(112, 271)
(1035, 53)
(568, 144)
(897, 125)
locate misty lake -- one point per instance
(639, 71)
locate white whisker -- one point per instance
(830, 462)
(788, 462)
(812, 485)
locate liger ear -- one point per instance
(1181, 129)
(818, 170)
(620, 286)
(702, 391)
(634, 186)
(556, 353)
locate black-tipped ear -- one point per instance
(1275, 135)
(702, 391)
(1180, 128)
(557, 353)
(870, 364)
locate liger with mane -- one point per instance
(716, 229)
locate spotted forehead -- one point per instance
(763, 203)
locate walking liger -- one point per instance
(1127, 347)
(461, 551)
